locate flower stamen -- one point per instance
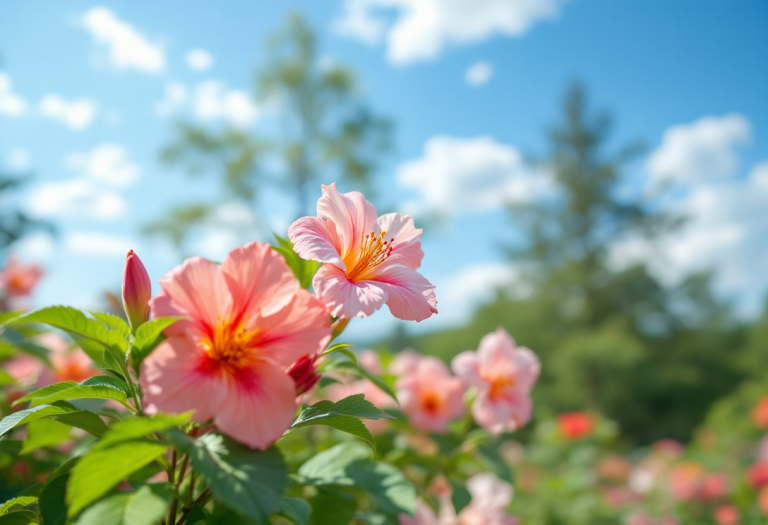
(374, 250)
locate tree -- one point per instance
(324, 129)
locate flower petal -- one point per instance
(407, 247)
(259, 407)
(527, 367)
(345, 298)
(316, 239)
(259, 280)
(302, 327)
(467, 367)
(411, 296)
(196, 289)
(350, 212)
(173, 381)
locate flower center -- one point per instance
(431, 403)
(374, 250)
(231, 346)
(499, 384)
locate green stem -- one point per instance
(187, 509)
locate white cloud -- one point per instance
(126, 47)
(36, 246)
(702, 150)
(199, 60)
(479, 73)
(19, 159)
(108, 163)
(210, 100)
(457, 175)
(76, 197)
(11, 104)
(231, 225)
(98, 244)
(423, 28)
(76, 114)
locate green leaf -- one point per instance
(359, 371)
(45, 433)
(303, 269)
(331, 507)
(197, 516)
(348, 465)
(489, 456)
(52, 504)
(103, 467)
(15, 503)
(62, 411)
(295, 509)
(18, 518)
(343, 415)
(249, 481)
(77, 324)
(135, 428)
(97, 387)
(146, 506)
(114, 322)
(6, 378)
(460, 496)
(341, 348)
(148, 336)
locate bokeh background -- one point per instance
(591, 175)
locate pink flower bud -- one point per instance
(137, 290)
(303, 374)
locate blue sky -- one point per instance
(87, 101)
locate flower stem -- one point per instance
(187, 509)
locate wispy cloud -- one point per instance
(422, 29)
(75, 114)
(125, 47)
(479, 74)
(98, 244)
(11, 104)
(210, 100)
(199, 60)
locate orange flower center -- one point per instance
(374, 250)
(499, 384)
(231, 347)
(17, 283)
(431, 403)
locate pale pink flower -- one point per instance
(424, 515)
(369, 360)
(490, 498)
(430, 396)
(504, 376)
(369, 260)
(69, 364)
(249, 320)
(18, 280)
(404, 362)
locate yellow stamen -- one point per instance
(374, 250)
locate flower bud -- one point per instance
(137, 290)
(303, 374)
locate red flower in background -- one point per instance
(714, 487)
(685, 480)
(576, 425)
(18, 280)
(760, 413)
(727, 515)
(762, 501)
(758, 475)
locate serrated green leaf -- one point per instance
(20, 502)
(343, 415)
(359, 371)
(77, 324)
(148, 336)
(52, 504)
(331, 507)
(135, 428)
(249, 481)
(45, 433)
(146, 506)
(97, 387)
(341, 348)
(295, 509)
(61, 411)
(114, 322)
(349, 465)
(303, 269)
(103, 467)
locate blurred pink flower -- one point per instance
(369, 261)
(760, 413)
(249, 320)
(69, 364)
(18, 280)
(639, 518)
(576, 425)
(504, 376)
(685, 480)
(757, 475)
(404, 362)
(714, 487)
(430, 396)
(424, 515)
(490, 498)
(369, 360)
(668, 448)
(727, 515)
(762, 501)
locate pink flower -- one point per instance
(685, 480)
(430, 396)
(424, 515)
(369, 360)
(714, 487)
(137, 290)
(727, 515)
(69, 364)
(404, 362)
(249, 321)
(504, 376)
(304, 374)
(575, 425)
(369, 261)
(18, 280)
(490, 498)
